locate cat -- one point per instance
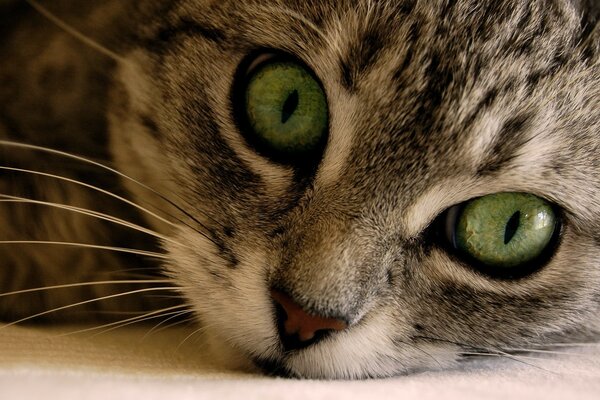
(337, 189)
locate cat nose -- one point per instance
(299, 329)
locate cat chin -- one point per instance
(347, 359)
(344, 358)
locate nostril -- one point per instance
(299, 329)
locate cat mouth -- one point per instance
(291, 344)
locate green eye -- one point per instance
(284, 109)
(504, 231)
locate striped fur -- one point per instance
(433, 102)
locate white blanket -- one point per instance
(43, 363)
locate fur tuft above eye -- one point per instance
(505, 235)
(281, 108)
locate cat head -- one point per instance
(346, 168)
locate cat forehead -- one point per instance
(358, 30)
(419, 91)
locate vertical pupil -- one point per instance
(290, 105)
(512, 226)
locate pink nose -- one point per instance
(300, 329)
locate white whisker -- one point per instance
(549, 352)
(128, 321)
(184, 321)
(482, 351)
(155, 328)
(48, 150)
(75, 33)
(82, 284)
(174, 296)
(91, 213)
(199, 330)
(519, 359)
(90, 246)
(126, 313)
(92, 187)
(125, 275)
(148, 318)
(81, 303)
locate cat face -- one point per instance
(425, 106)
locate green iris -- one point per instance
(505, 229)
(286, 108)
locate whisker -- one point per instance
(491, 353)
(519, 359)
(480, 354)
(550, 352)
(83, 284)
(145, 290)
(75, 33)
(435, 360)
(199, 330)
(174, 296)
(107, 312)
(90, 246)
(126, 270)
(591, 344)
(138, 273)
(122, 325)
(125, 322)
(155, 328)
(125, 275)
(48, 150)
(483, 351)
(92, 187)
(95, 214)
(184, 321)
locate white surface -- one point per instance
(126, 363)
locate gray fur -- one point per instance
(432, 103)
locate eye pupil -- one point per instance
(512, 226)
(290, 106)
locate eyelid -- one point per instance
(259, 61)
(450, 222)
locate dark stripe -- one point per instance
(185, 27)
(363, 54)
(557, 62)
(506, 145)
(591, 44)
(448, 8)
(590, 10)
(524, 20)
(407, 7)
(347, 76)
(522, 44)
(440, 77)
(412, 37)
(486, 101)
(229, 231)
(225, 251)
(150, 125)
